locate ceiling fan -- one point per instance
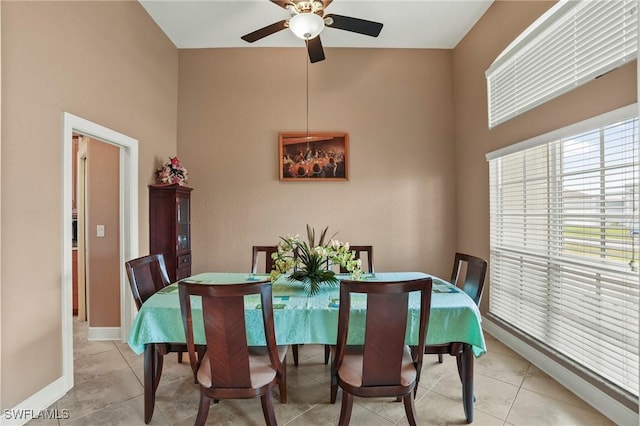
(308, 20)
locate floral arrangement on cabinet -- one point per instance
(309, 263)
(172, 172)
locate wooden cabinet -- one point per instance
(170, 227)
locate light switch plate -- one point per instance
(100, 231)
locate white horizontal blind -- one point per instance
(572, 44)
(565, 247)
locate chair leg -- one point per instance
(158, 369)
(465, 369)
(334, 389)
(294, 349)
(267, 409)
(200, 350)
(283, 392)
(179, 357)
(410, 408)
(203, 410)
(282, 382)
(440, 358)
(345, 410)
(327, 352)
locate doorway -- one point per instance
(128, 242)
(97, 251)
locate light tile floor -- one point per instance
(509, 391)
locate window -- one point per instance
(565, 239)
(571, 44)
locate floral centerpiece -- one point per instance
(309, 263)
(173, 172)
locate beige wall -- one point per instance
(396, 106)
(103, 205)
(502, 22)
(103, 61)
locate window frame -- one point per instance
(629, 112)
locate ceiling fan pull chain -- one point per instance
(307, 65)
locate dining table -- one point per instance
(301, 318)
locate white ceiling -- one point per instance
(422, 24)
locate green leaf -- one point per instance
(324, 233)
(308, 266)
(311, 235)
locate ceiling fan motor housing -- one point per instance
(308, 20)
(314, 6)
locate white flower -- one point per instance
(304, 259)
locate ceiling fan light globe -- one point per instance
(306, 25)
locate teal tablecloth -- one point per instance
(300, 318)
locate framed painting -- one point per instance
(319, 156)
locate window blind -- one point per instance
(565, 248)
(573, 43)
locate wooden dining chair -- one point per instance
(148, 274)
(269, 263)
(359, 250)
(469, 274)
(384, 366)
(268, 267)
(230, 368)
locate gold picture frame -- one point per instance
(316, 156)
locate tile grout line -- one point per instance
(130, 368)
(516, 395)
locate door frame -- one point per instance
(128, 225)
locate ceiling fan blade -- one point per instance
(266, 31)
(314, 47)
(282, 3)
(355, 25)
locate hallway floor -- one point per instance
(509, 390)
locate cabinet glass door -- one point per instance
(183, 242)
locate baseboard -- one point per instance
(103, 333)
(608, 406)
(35, 407)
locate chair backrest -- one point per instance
(368, 262)
(225, 329)
(385, 327)
(469, 274)
(147, 275)
(269, 263)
